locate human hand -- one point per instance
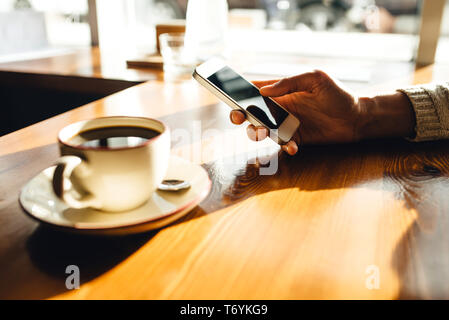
(328, 113)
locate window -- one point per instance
(442, 54)
(385, 30)
(36, 24)
(380, 29)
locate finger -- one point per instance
(303, 82)
(251, 132)
(290, 147)
(261, 133)
(237, 117)
(262, 83)
(256, 133)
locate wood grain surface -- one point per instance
(84, 62)
(314, 229)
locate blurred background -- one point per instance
(380, 29)
(56, 55)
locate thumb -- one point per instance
(302, 82)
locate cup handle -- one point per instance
(64, 168)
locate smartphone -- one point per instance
(240, 94)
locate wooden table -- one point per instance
(84, 70)
(327, 221)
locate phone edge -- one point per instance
(233, 105)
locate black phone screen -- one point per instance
(248, 97)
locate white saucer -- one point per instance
(39, 201)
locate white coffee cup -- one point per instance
(110, 179)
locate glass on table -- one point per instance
(178, 61)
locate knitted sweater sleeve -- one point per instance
(431, 106)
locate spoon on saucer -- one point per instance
(173, 185)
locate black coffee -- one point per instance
(114, 137)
